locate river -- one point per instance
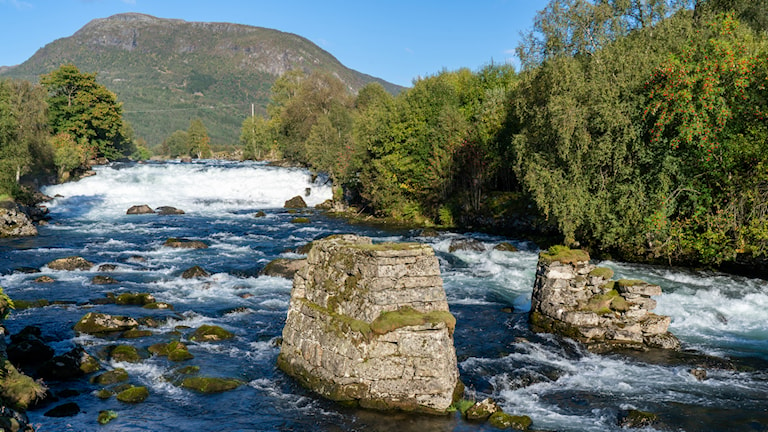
(554, 381)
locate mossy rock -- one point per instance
(30, 304)
(125, 353)
(194, 272)
(180, 243)
(188, 370)
(629, 282)
(158, 306)
(296, 202)
(135, 299)
(259, 214)
(300, 220)
(283, 267)
(45, 279)
(407, 316)
(97, 323)
(607, 303)
(69, 409)
(502, 420)
(482, 410)
(175, 351)
(564, 254)
(210, 333)
(462, 405)
(111, 377)
(106, 416)
(103, 280)
(210, 385)
(104, 394)
(133, 395)
(637, 419)
(135, 334)
(603, 272)
(70, 264)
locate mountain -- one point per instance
(168, 71)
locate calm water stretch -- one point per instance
(559, 385)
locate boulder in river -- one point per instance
(70, 264)
(14, 222)
(466, 244)
(369, 325)
(133, 395)
(576, 299)
(140, 209)
(168, 210)
(97, 324)
(296, 202)
(70, 365)
(103, 280)
(184, 243)
(194, 272)
(27, 347)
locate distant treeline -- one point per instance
(636, 128)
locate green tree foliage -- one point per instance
(68, 154)
(199, 142)
(177, 144)
(257, 136)
(78, 105)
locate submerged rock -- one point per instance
(210, 385)
(576, 299)
(111, 377)
(502, 420)
(369, 325)
(106, 416)
(70, 264)
(27, 347)
(44, 279)
(73, 364)
(466, 244)
(210, 333)
(103, 280)
(135, 299)
(637, 419)
(125, 353)
(68, 409)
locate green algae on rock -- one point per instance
(210, 384)
(210, 333)
(133, 395)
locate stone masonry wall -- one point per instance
(579, 300)
(369, 325)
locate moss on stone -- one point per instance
(407, 316)
(136, 299)
(300, 220)
(125, 353)
(111, 377)
(629, 282)
(158, 305)
(564, 255)
(135, 333)
(210, 333)
(210, 385)
(98, 324)
(341, 324)
(603, 272)
(133, 395)
(188, 370)
(609, 302)
(104, 394)
(106, 416)
(637, 419)
(503, 420)
(30, 304)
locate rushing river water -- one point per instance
(559, 385)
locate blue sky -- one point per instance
(396, 40)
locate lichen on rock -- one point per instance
(369, 325)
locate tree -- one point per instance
(78, 105)
(177, 144)
(199, 142)
(257, 137)
(68, 154)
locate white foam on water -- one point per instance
(203, 188)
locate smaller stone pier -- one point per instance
(577, 299)
(369, 325)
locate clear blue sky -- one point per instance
(397, 40)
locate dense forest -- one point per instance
(635, 128)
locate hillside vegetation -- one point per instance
(168, 72)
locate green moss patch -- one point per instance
(407, 316)
(111, 377)
(125, 353)
(175, 351)
(136, 299)
(210, 333)
(300, 220)
(603, 272)
(135, 333)
(341, 324)
(210, 385)
(607, 303)
(629, 282)
(503, 420)
(106, 416)
(18, 390)
(564, 255)
(30, 304)
(133, 395)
